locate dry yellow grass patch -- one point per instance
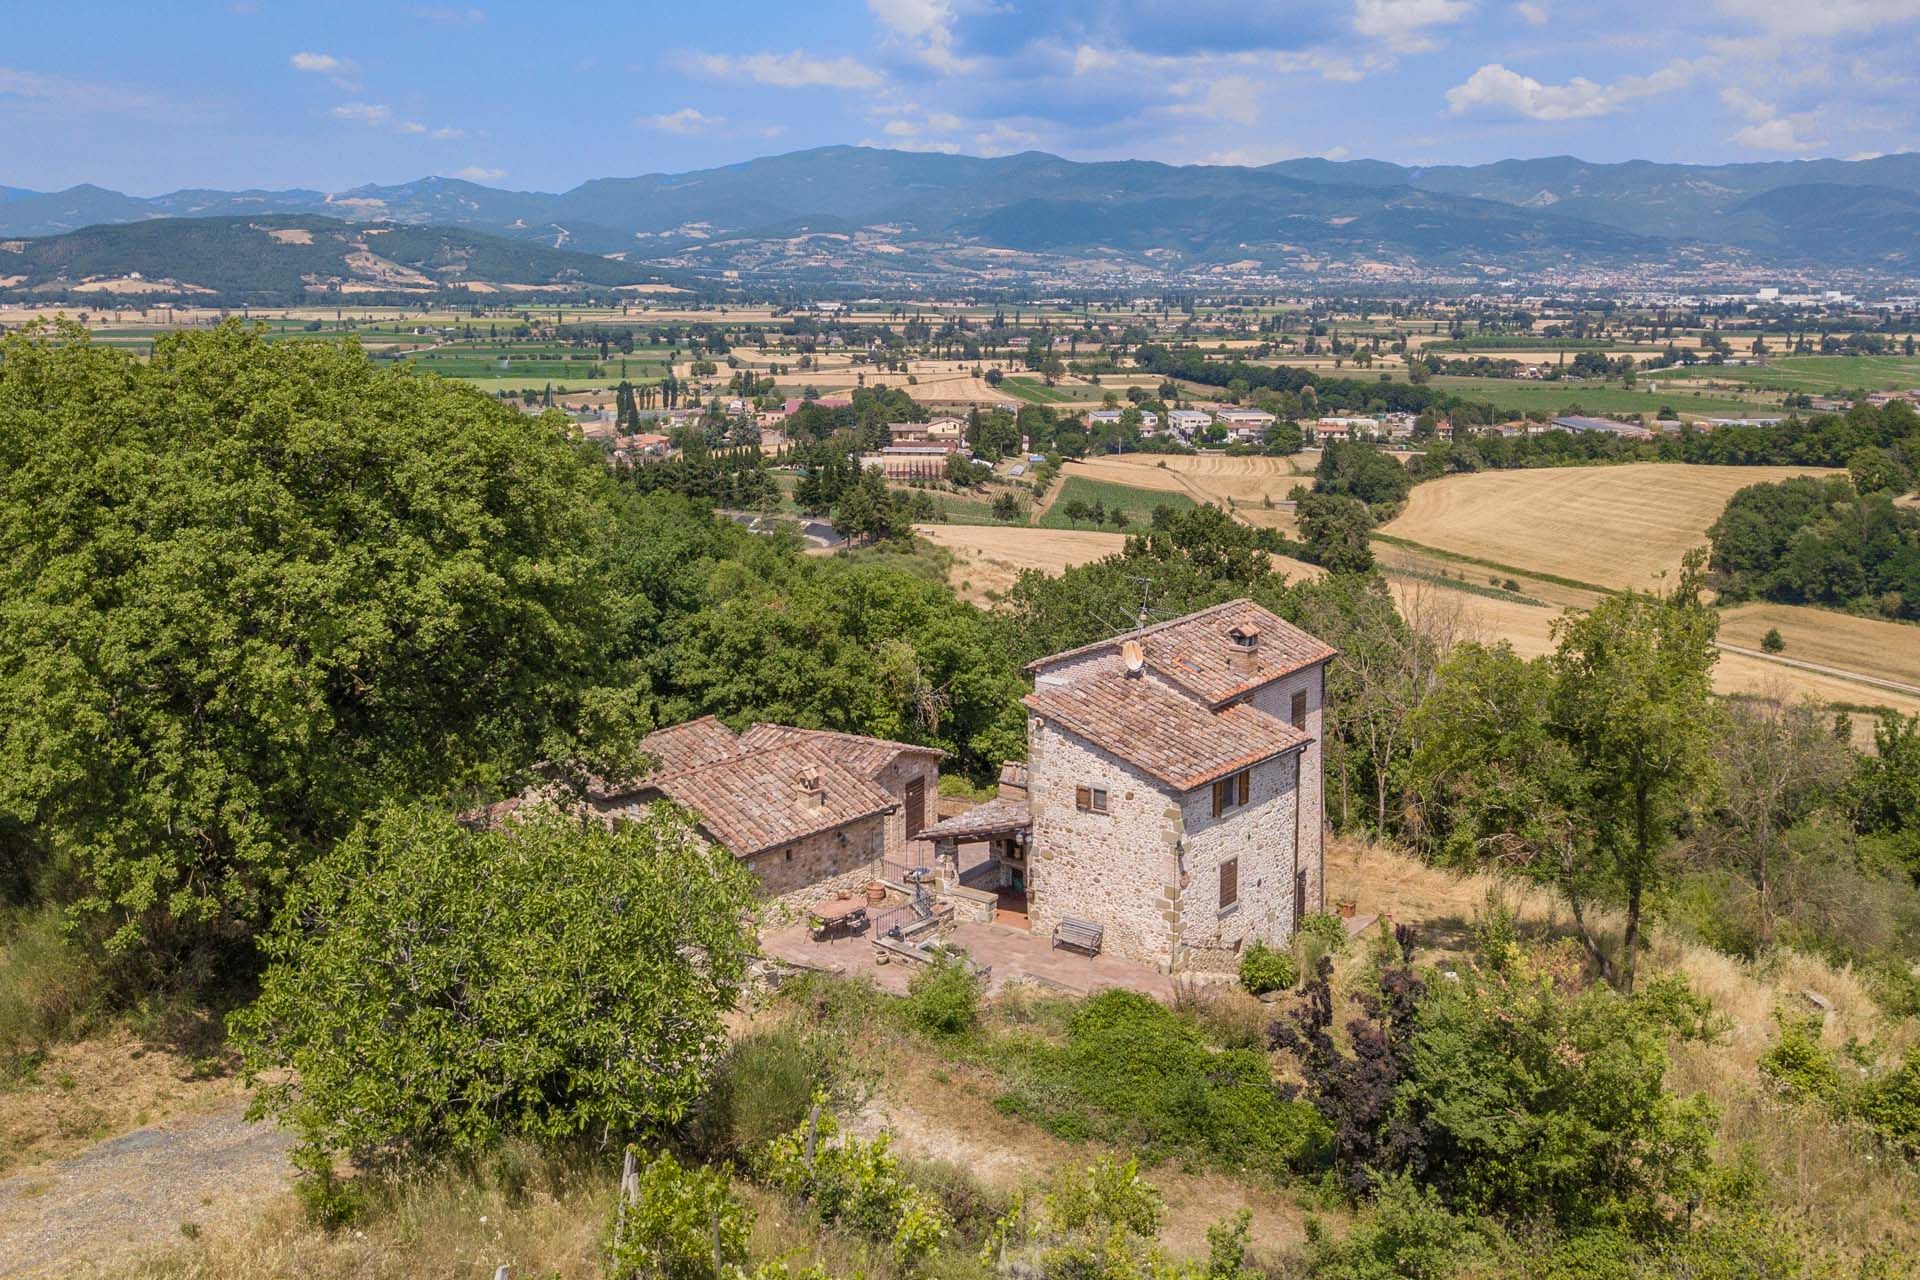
(987, 558)
(1205, 477)
(1616, 526)
(1889, 650)
(97, 1088)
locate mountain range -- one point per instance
(860, 214)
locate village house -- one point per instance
(1171, 802)
(1244, 424)
(810, 812)
(948, 434)
(1187, 423)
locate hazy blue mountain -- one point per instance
(1513, 213)
(277, 257)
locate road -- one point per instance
(1841, 672)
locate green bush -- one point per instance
(1408, 1233)
(434, 990)
(1264, 969)
(1135, 1073)
(1801, 1065)
(682, 1223)
(764, 1086)
(48, 985)
(1891, 1103)
(943, 997)
(857, 1186)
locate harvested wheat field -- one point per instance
(1204, 477)
(1617, 526)
(1885, 650)
(987, 558)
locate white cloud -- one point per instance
(1404, 25)
(1496, 90)
(795, 70)
(447, 133)
(687, 120)
(308, 61)
(1534, 15)
(1744, 103)
(370, 113)
(476, 173)
(926, 28)
(1821, 19)
(1782, 133)
(1235, 98)
(410, 126)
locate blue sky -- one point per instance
(333, 93)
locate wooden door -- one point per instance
(916, 807)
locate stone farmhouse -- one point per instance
(1170, 807)
(809, 811)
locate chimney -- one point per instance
(813, 791)
(1243, 647)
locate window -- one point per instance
(1299, 710)
(1229, 883)
(1090, 799)
(1231, 791)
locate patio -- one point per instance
(1012, 955)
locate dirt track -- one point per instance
(139, 1192)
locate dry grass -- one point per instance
(1617, 526)
(1205, 477)
(97, 1088)
(1889, 650)
(987, 558)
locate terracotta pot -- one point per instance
(1347, 907)
(876, 892)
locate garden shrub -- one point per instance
(684, 1223)
(1134, 1072)
(1101, 1221)
(1265, 969)
(943, 997)
(764, 1085)
(1891, 1103)
(1800, 1064)
(1408, 1233)
(857, 1186)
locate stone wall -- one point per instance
(1276, 699)
(1260, 835)
(799, 874)
(1117, 869)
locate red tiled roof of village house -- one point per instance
(1192, 651)
(865, 756)
(754, 800)
(996, 817)
(1159, 731)
(696, 742)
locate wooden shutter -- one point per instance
(1229, 883)
(1299, 710)
(1244, 779)
(916, 807)
(1083, 798)
(1299, 897)
(1219, 797)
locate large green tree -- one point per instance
(434, 989)
(250, 590)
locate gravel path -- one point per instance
(132, 1193)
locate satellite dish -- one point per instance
(1134, 656)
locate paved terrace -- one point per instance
(1013, 954)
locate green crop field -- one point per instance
(1811, 374)
(1035, 391)
(1137, 503)
(1512, 396)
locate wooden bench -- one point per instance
(1081, 935)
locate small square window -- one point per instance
(1090, 799)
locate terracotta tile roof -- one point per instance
(1193, 652)
(865, 756)
(1167, 736)
(754, 800)
(682, 746)
(995, 817)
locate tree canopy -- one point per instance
(249, 590)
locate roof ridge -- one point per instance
(1139, 632)
(749, 753)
